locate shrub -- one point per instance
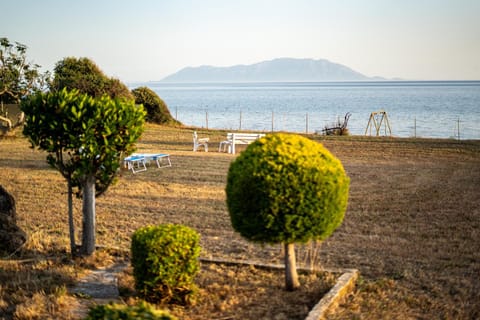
(165, 262)
(285, 188)
(83, 74)
(114, 311)
(157, 110)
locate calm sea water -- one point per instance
(440, 109)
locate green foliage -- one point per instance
(83, 74)
(83, 135)
(286, 188)
(113, 311)
(18, 77)
(157, 110)
(165, 262)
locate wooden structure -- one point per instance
(376, 121)
(338, 129)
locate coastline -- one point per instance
(436, 109)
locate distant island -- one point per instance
(277, 70)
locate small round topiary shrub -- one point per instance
(157, 110)
(114, 311)
(165, 263)
(285, 188)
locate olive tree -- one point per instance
(18, 76)
(287, 189)
(85, 138)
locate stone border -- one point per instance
(329, 302)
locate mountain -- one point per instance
(277, 70)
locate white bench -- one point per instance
(238, 138)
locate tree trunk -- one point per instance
(71, 225)
(291, 276)
(88, 232)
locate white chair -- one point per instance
(199, 142)
(222, 147)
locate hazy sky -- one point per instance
(146, 40)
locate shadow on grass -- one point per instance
(30, 277)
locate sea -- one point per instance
(429, 109)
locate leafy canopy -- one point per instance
(286, 188)
(18, 77)
(83, 74)
(83, 135)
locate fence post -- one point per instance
(206, 119)
(415, 127)
(458, 128)
(272, 120)
(306, 123)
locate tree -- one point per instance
(285, 189)
(83, 74)
(157, 110)
(85, 138)
(18, 77)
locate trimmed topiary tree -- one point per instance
(157, 110)
(285, 188)
(165, 262)
(113, 311)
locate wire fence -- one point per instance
(305, 122)
(412, 126)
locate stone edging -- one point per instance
(331, 300)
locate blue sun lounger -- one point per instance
(137, 162)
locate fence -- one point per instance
(401, 126)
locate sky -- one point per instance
(147, 40)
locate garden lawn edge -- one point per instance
(329, 302)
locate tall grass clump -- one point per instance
(165, 263)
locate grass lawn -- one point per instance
(412, 226)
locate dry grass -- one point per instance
(411, 228)
(236, 291)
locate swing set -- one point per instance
(376, 121)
